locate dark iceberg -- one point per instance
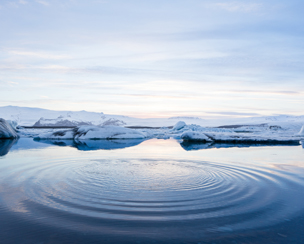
(6, 130)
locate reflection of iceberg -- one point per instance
(190, 146)
(302, 142)
(5, 146)
(87, 145)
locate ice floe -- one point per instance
(94, 133)
(6, 130)
(89, 125)
(195, 136)
(301, 132)
(259, 134)
(179, 125)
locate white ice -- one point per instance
(6, 130)
(271, 128)
(94, 133)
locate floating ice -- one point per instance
(94, 133)
(179, 125)
(301, 133)
(6, 130)
(232, 137)
(252, 138)
(195, 136)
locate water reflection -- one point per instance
(6, 145)
(190, 146)
(88, 145)
(154, 193)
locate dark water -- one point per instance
(156, 191)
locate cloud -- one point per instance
(23, 2)
(268, 92)
(43, 2)
(239, 6)
(43, 55)
(234, 113)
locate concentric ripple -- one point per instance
(221, 197)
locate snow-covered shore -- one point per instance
(25, 116)
(93, 126)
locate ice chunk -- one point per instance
(179, 125)
(57, 135)
(107, 132)
(252, 138)
(94, 133)
(59, 122)
(195, 136)
(301, 133)
(6, 130)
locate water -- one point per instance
(150, 192)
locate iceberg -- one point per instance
(59, 122)
(6, 130)
(195, 136)
(234, 137)
(301, 133)
(179, 125)
(252, 138)
(94, 133)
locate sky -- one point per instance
(154, 58)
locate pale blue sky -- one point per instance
(153, 58)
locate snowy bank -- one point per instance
(6, 130)
(94, 133)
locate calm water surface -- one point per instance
(155, 191)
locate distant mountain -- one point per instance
(184, 117)
(29, 116)
(25, 116)
(59, 122)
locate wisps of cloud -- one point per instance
(234, 113)
(45, 3)
(268, 92)
(238, 6)
(23, 2)
(43, 55)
